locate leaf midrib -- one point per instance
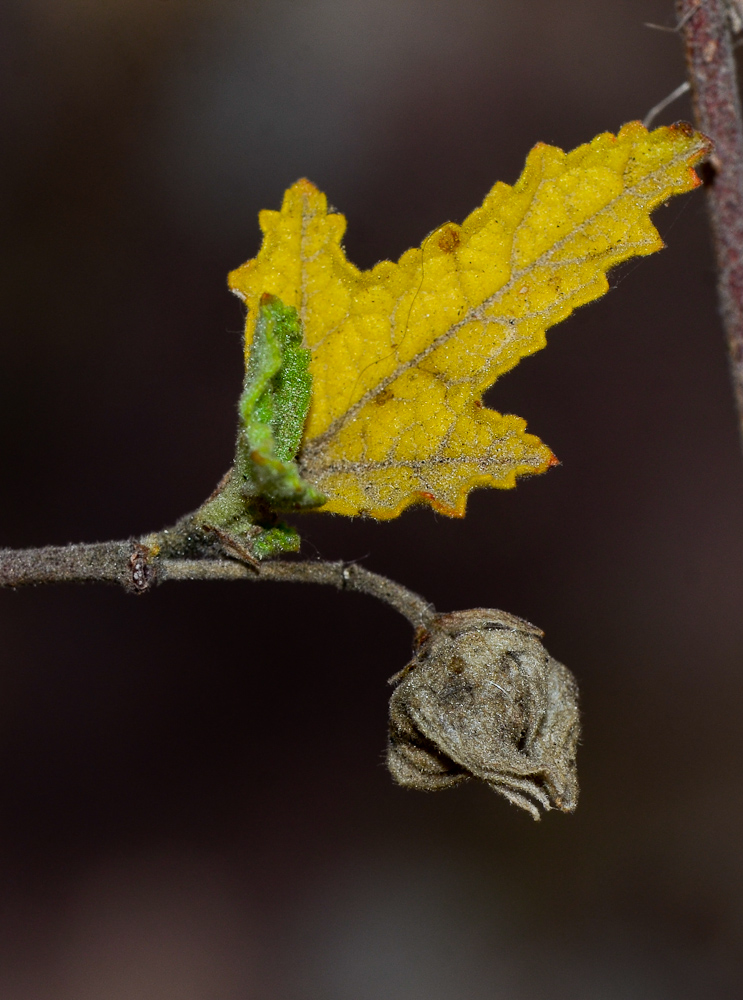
(316, 444)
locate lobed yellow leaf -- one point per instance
(402, 353)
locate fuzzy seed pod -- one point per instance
(482, 698)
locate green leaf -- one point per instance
(273, 409)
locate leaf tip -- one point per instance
(304, 196)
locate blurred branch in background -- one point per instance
(708, 30)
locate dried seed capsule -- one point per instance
(482, 698)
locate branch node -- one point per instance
(142, 569)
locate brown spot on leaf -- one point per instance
(449, 240)
(685, 128)
(384, 396)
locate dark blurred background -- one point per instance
(193, 800)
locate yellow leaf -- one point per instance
(402, 353)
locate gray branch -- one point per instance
(138, 568)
